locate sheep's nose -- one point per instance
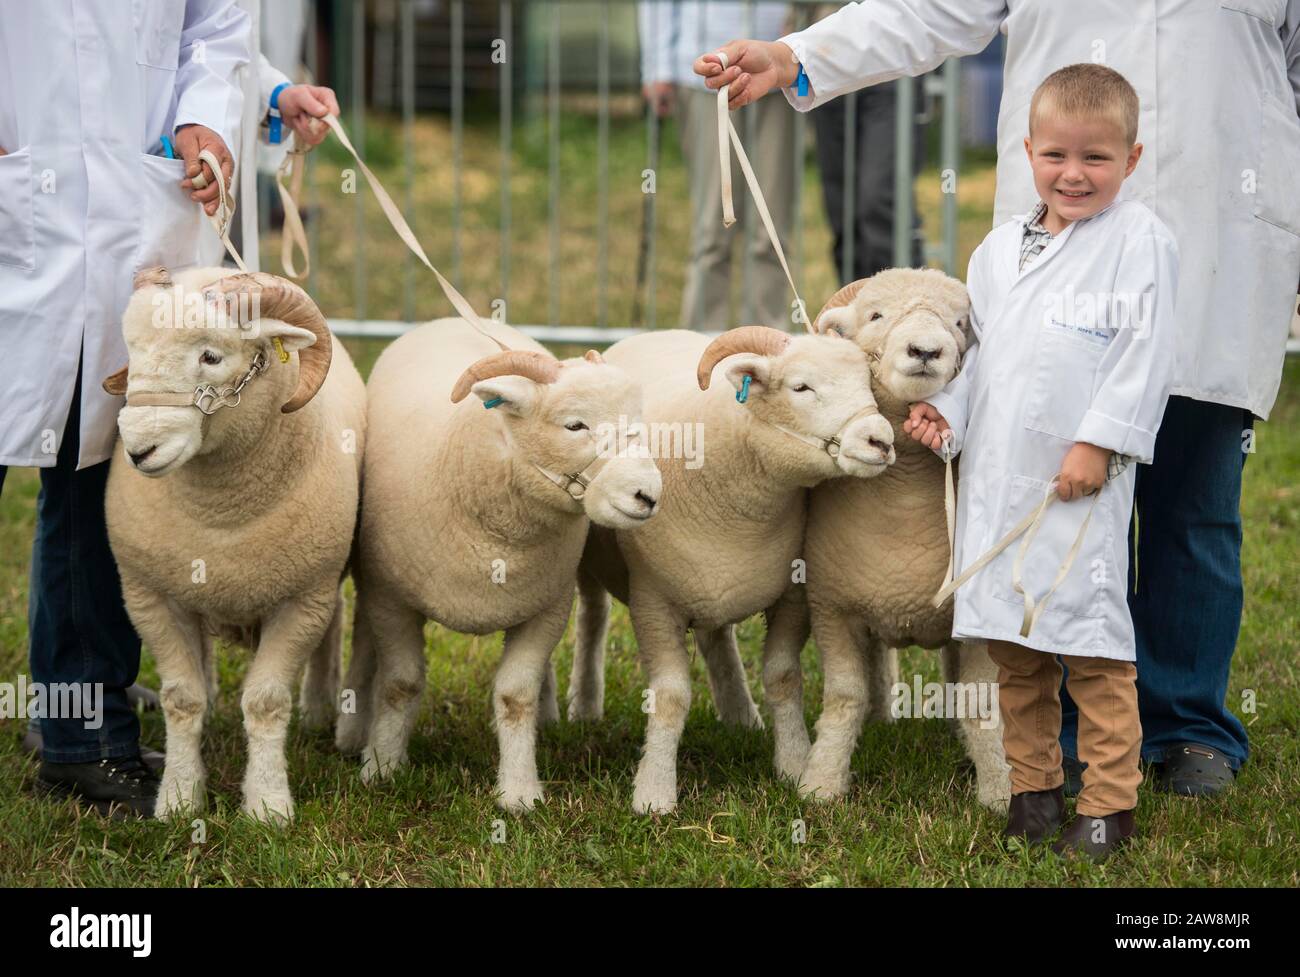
(139, 456)
(881, 446)
(646, 500)
(924, 355)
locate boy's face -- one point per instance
(1078, 166)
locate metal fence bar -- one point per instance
(650, 214)
(904, 134)
(407, 57)
(359, 137)
(602, 170)
(309, 169)
(457, 127)
(950, 160)
(507, 92)
(553, 166)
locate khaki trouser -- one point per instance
(767, 298)
(1110, 733)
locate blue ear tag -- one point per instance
(742, 394)
(494, 402)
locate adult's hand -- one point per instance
(192, 140)
(661, 95)
(302, 105)
(753, 69)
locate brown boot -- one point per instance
(1096, 838)
(1035, 815)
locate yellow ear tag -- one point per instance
(279, 349)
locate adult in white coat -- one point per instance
(1219, 85)
(87, 197)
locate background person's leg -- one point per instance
(828, 122)
(706, 298)
(772, 155)
(78, 628)
(876, 132)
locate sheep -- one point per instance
(231, 508)
(877, 550)
(727, 541)
(476, 519)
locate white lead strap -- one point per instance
(225, 214)
(727, 136)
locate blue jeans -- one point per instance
(78, 629)
(1185, 591)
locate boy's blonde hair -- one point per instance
(1088, 91)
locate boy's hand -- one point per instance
(754, 69)
(302, 105)
(926, 425)
(190, 141)
(1083, 472)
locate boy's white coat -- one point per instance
(1031, 386)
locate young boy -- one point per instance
(1064, 384)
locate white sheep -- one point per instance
(476, 519)
(232, 505)
(725, 545)
(877, 550)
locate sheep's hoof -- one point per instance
(993, 793)
(318, 717)
(373, 768)
(274, 808)
(746, 717)
(819, 786)
(654, 795)
(176, 800)
(350, 735)
(791, 759)
(520, 798)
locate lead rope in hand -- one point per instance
(225, 214)
(295, 237)
(1027, 526)
(726, 130)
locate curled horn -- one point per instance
(538, 367)
(154, 275)
(279, 298)
(841, 298)
(763, 340)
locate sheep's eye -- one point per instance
(800, 388)
(210, 358)
(875, 316)
(576, 426)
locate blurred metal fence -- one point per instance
(387, 30)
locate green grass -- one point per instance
(911, 818)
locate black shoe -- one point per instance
(1096, 838)
(1073, 770)
(33, 745)
(1035, 815)
(124, 785)
(1193, 770)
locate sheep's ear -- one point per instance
(116, 384)
(512, 394)
(840, 321)
(292, 338)
(757, 368)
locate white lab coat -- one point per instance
(86, 91)
(1078, 347)
(1219, 84)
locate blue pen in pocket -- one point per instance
(168, 149)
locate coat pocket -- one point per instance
(1065, 372)
(17, 220)
(1082, 592)
(158, 25)
(169, 221)
(1277, 194)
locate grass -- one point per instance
(911, 819)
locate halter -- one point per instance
(207, 397)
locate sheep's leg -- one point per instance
(520, 678)
(320, 681)
(548, 704)
(882, 675)
(177, 641)
(969, 664)
(287, 638)
(661, 638)
(844, 703)
(787, 633)
(587, 681)
(727, 681)
(356, 699)
(398, 633)
(209, 657)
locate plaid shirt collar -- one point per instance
(1036, 237)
